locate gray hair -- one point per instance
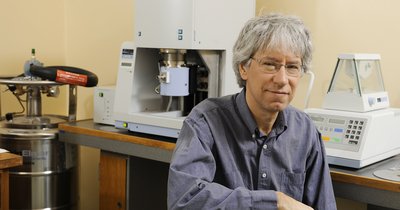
(272, 32)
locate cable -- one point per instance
(310, 86)
(169, 103)
(10, 115)
(20, 103)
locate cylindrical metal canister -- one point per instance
(48, 177)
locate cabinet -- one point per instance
(113, 177)
(190, 24)
(128, 182)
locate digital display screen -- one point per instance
(126, 64)
(127, 51)
(317, 119)
(337, 121)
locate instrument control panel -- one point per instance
(340, 132)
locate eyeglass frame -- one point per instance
(278, 66)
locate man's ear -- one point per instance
(243, 71)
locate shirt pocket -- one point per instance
(292, 184)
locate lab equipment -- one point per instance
(181, 55)
(356, 123)
(48, 177)
(104, 105)
(31, 62)
(357, 84)
(65, 74)
(357, 139)
(392, 174)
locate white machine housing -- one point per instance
(356, 139)
(206, 29)
(357, 84)
(356, 123)
(103, 103)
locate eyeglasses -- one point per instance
(271, 67)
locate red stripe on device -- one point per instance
(71, 78)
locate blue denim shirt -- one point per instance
(221, 161)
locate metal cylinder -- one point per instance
(33, 101)
(172, 57)
(48, 177)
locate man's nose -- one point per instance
(280, 76)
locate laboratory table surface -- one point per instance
(355, 184)
(8, 160)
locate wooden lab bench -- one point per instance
(134, 170)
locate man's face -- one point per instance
(266, 91)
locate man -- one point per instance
(252, 150)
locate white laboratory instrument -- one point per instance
(181, 55)
(103, 103)
(357, 84)
(356, 123)
(357, 139)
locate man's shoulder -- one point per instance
(293, 113)
(213, 105)
(218, 102)
(293, 110)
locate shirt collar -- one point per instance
(281, 123)
(244, 111)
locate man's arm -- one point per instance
(318, 190)
(191, 176)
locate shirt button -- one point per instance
(264, 175)
(265, 146)
(253, 136)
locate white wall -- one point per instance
(94, 32)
